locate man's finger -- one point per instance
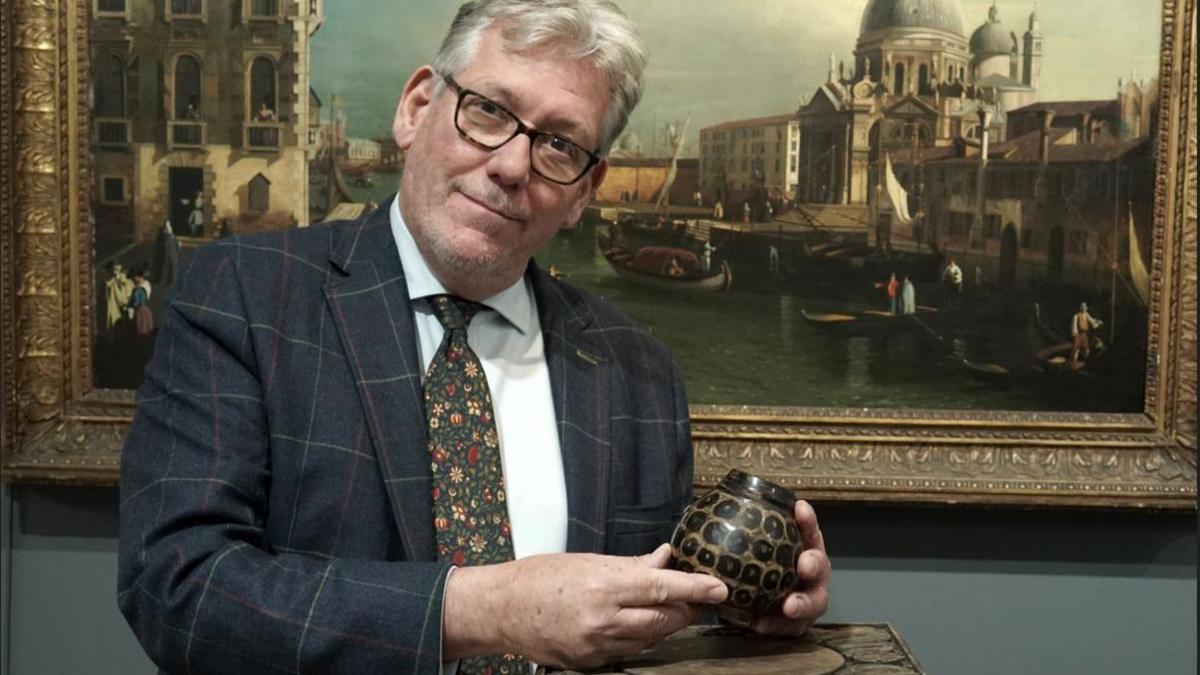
(807, 606)
(810, 530)
(813, 567)
(658, 587)
(653, 623)
(657, 559)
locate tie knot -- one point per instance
(454, 312)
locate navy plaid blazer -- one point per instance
(275, 485)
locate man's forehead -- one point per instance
(569, 116)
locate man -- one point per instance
(116, 294)
(908, 297)
(893, 294)
(952, 277)
(1082, 324)
(311, 463)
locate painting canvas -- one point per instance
(783, 210)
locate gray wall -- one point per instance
(973, 591)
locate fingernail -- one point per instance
(717, 594)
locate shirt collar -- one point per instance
(514, 303)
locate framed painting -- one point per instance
(939, 251)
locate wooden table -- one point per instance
(834, 649)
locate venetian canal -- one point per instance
(752, 346)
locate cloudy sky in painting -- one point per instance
(717, 60)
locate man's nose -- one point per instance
(509, 163)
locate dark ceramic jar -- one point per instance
(744, 533)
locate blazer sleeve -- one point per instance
(199, 582)
(685, 457)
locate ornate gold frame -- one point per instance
(57, 428)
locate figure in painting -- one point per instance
(116, 293)
(952, 278)
(706, 255)
(139, 305)
(718, 210)
(193, 109)
(673, 268)
(1082, 324)
(195, 219)
(908, 297)
(165, 264)
(891, 289)
(265, 113)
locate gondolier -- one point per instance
(952, 276)
(1081, 326)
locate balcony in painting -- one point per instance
(113, 132)
(186, 134)
(263, 136)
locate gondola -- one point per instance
(646, 268)
(869, 321)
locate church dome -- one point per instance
(991, 38)
(943, 15)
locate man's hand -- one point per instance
(571, 609)
(800, 609)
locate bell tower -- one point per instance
(1032, 75)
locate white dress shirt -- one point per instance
(508, 341)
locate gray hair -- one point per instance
(596, 30)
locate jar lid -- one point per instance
(739, 481)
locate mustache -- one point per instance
(497, 200)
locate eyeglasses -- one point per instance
(489, 125)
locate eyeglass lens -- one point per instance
(487, 123)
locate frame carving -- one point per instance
(58, 428)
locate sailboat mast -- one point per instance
(1112, 293)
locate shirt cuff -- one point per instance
(448, 667)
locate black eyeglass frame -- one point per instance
(522, 129)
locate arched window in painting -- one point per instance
(262, 91)
(259, 194)
(108, 87)
(187, 88)
(923, 79)
(898, 80)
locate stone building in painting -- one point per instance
(741, 157)
(917, 73)
(1054, 202)
(202, 112)
(917, 81)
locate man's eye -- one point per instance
(486, 107)
(563, 146)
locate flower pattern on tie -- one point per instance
(470, 510)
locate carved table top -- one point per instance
(833, 649)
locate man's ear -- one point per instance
(414, 103)
(587, 190)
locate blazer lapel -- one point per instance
(374, 320)
(579, 380)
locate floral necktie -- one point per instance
(470, 511)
